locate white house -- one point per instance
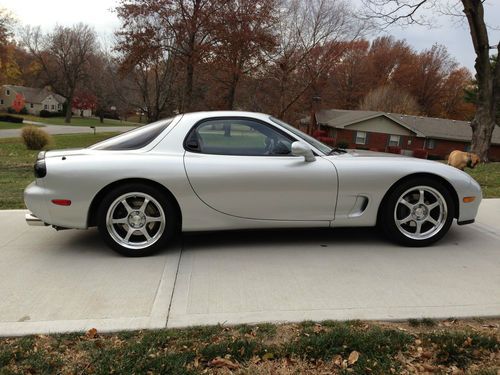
(35, 99)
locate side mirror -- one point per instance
(302, 149)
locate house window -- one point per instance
(394, 140)
(31, 105)
(1, 101)
(430, 144)
(45, 106)
(467, 148)
(52, 107)
(361, 138)
(59, 106)
(7, 92)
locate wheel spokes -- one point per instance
(420, 212)
(431, 220)
(122, 220)
(135, 220)
(130, 231)
(432, 205)
(144, 205)
(421, 198)
(406, 203)
(406, 219)
(418, 228)
(126, 206)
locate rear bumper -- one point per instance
(32, 220)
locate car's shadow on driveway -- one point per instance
(361, 237)
(91, 243)
(267, 237)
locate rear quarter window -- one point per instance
(134, 139)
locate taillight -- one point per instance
(40, 168)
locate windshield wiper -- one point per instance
(337, 150)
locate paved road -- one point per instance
(64, 129)
(69, 281)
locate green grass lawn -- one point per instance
(16, 163)
(488, 176)
(441, 347)
(77, 121)
(10, 125)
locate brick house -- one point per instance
(410, 135)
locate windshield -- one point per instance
(134, 139)
(312, 141)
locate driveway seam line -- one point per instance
(175, 281)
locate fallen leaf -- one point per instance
(468, 342)
(268, 356)
(255, 359)
(223, 362)
(353, 358)
(337, 360)
(427, 354)
(456, 371)
(91, 333)
(428, 367)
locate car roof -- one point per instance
(207, 114)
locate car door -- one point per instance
(243, 167)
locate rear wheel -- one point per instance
(418, 212)
(136, 220)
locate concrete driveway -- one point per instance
(69, 281)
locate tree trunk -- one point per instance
(186, 105)
(487, 78)
(67, 116)
(232, 91)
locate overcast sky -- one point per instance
(98, 13)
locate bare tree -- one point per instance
(64, 56)
(305, 27)
(147, 84)
(390, 98)
(154, 24)
(407, 12)
(243, 33)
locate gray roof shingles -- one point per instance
(422, 126)
(35, 95)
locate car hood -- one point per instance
(370, 154)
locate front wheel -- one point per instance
(136, 220)
(418, 212)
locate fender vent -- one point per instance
(359, 206)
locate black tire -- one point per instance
(387, 220)
(171, 224)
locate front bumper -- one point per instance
(32, 220)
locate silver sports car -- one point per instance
(239, 170)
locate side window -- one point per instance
(361, 138)
(394, 140)
(238, 137)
